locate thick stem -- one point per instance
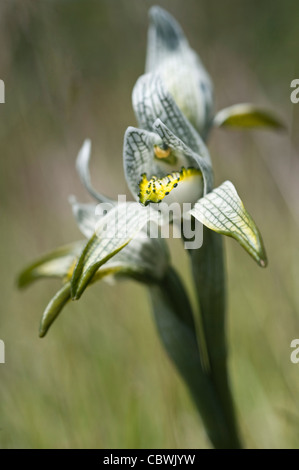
(174, 319)
(209, 277)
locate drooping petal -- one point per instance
(223, 211)
(149, 255)
(144, 260)
(169, 54)
(114, 231)
(245, 115)
(63, 296)
(54, 308)
(82, 165)
(152, 101)
(55, 264)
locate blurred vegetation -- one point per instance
(100, 378)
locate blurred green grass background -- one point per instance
(100, 378)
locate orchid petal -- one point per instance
(55, 264)
(223, 211)
(152, 101)
(148, 255)
(246, 115)
(169, 54)
(202, 161)
(138, 156)
(115, 230)
(82, 165)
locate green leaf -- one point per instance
(223, 211)
(169, 55)
(115, 230)
(54, 264)
(82, 165)
(246, 115)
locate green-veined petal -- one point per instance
(246, 115)
(223, 211)
(138, 156)
(149, 255)
(141, 263)
(114, 231)
(54, 264)
(152, 101)
(169, 54)
(140, 149)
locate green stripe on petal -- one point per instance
(54, 308)
(149, 255)
(223, 211)
(54, 264)
(115, 230)
(246, 115)
(136, 261)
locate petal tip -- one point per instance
(263, 262)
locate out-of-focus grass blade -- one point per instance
(247, 115)
(223, 211)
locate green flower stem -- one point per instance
(209, 277)
(174, 320)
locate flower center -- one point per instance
(165, 154)
(184, 186)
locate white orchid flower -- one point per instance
(166, 160)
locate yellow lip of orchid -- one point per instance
(155, 190)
